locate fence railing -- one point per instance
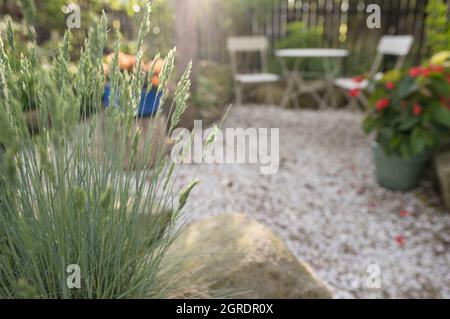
(343, 25)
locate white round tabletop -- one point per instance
(311, 53)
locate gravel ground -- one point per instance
(325, 203)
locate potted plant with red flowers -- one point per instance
(410, 118)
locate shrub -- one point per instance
(65, 199)
(411, 109)
(299, 36)
(214, 85)
(437, 26)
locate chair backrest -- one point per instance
(248, 44)
(398, 45)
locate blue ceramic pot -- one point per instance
(148, 105)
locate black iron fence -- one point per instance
(342, 24)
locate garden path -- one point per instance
(325, 203)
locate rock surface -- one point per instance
(443, 172)
(239, 256)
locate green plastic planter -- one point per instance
(398, 173)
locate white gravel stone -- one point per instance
(325, 203)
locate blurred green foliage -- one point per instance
(300, 36)
(241, 16)
(49, 22)
(50, 13)
(437, 26)
(214, 85)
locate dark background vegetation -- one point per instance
(199, 29)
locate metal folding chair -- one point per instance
(397, 45)
(249, 44)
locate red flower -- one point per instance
(400, 239)
(382, 104)
(426, 71)
(390, 85)
(404, 213)
(358, 79)
(415, 72)
(354, 92)
(437, 68)
(417, 109)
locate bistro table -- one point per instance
(296, 84)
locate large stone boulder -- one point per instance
(442, 164)
(237, 256)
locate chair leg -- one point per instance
(351, 101)
(270, 95)
(352, 104)
(364, 101)
(288, 93)
(238, 92)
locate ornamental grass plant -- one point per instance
(66, 200)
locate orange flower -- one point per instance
(155, 80)
(126, 61)
(130, 61)
(157, 66)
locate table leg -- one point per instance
(292, 90)
(297, 86)
(331, 72)
(305, 89)
(328, 79)
(286, 96)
